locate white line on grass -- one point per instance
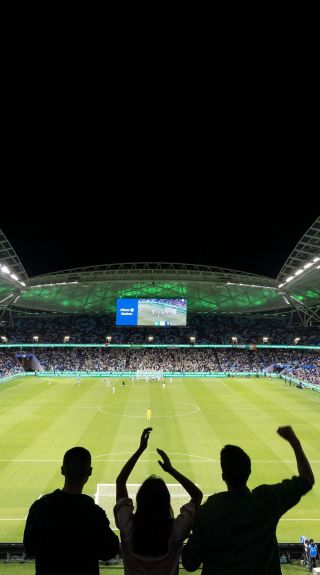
(142, 416)
(285, 519)
(190, 458)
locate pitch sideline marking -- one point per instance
(196, 457)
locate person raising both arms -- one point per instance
(151, 537)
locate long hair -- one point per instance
(153, 518)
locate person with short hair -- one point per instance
(246, 520)
(65, 530)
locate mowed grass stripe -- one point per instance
(115, 430)
(244, 411)
(41, 441)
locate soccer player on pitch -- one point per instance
(149, 414)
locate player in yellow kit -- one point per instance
(149, 414)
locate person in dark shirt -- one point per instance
(65, 530)
(246, 519)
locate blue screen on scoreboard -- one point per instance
(158, 312)
(127, 312)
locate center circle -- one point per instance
(137, 410)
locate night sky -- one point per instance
(239, 219)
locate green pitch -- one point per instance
(191, 419)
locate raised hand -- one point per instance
(166, 463)
(286, 432)
(144, 438)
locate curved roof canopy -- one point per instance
(207, 289)
(13, 277)
(300, 275)
(96, 289)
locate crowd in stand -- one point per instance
(301, 364)
(205, 328)
(311, 374)
(9, 365)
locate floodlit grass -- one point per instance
(192, 419)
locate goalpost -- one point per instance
(147, 374)
(106, 497)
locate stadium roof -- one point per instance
(207, 289)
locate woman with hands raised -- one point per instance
(151, 537)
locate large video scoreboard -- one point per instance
(156, 312)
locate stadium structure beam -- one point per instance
(305, 313)
(9, 258)
(306, 249)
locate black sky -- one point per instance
(242, 219)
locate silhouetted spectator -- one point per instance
(151, 538)
(235, 531)
(65, 530)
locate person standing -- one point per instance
(246, 520)
(151, 537)
(312, 554)
(65, 530)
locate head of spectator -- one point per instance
(76, 468)
(236, 467)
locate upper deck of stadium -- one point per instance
(208, 289)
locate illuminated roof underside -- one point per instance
(95, 290)
(207, 289)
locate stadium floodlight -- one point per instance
(316, 259)
(280, 285)
(5, 270)
(35, 338)
(289, 279)
(66, 338)
(296, 340)
(298, 272)
(14, 277)
(250, 285)
(308, 265)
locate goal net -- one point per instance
(106, 497)
(149, 374)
